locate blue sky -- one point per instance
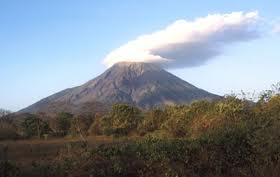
(49, 45)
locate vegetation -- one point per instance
(121, 120)
(33, 126)
(8, 131)
(226, 138)
(64, 122)
(4, 112)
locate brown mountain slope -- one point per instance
(141, 84)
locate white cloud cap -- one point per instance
(188, 43)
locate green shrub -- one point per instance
(121, 120)
(152, 121)
(64, 122)
(33, 126)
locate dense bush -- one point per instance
(152, 121)
(8, 131)
(229, 156)
(80, 126)
(33, 126)
(231, 137)
(64, 122)
(8, 169)
(96, 128)
(121, 120)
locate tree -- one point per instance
(232, 107)
(4, 112)
(152, 121)
(33, 126)
(95, 128)
(64, 122)
(177, 122)
(266, 95)
(122, 119)
(80, 126)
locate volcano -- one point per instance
(144, 85)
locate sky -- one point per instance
(50, 45)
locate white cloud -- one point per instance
(188, 43)
(276, 29)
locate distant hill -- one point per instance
(141, 84)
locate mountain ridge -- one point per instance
(144, 85)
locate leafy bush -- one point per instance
(8, 169)
(121, 120)
(95, 128)
(152, 121)
(8, 130)
(33, 126)
(64, 122)
(80, 125)
(226, 138)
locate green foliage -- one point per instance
(232, 107)
(266, 95)
(152, 120)
(177, 122)
(121, 120)
(64, 122)
(180, 118)
(225, 138)
(33, 126)
(176, 157)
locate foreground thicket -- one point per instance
(225, 138)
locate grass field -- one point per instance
(25, 152)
